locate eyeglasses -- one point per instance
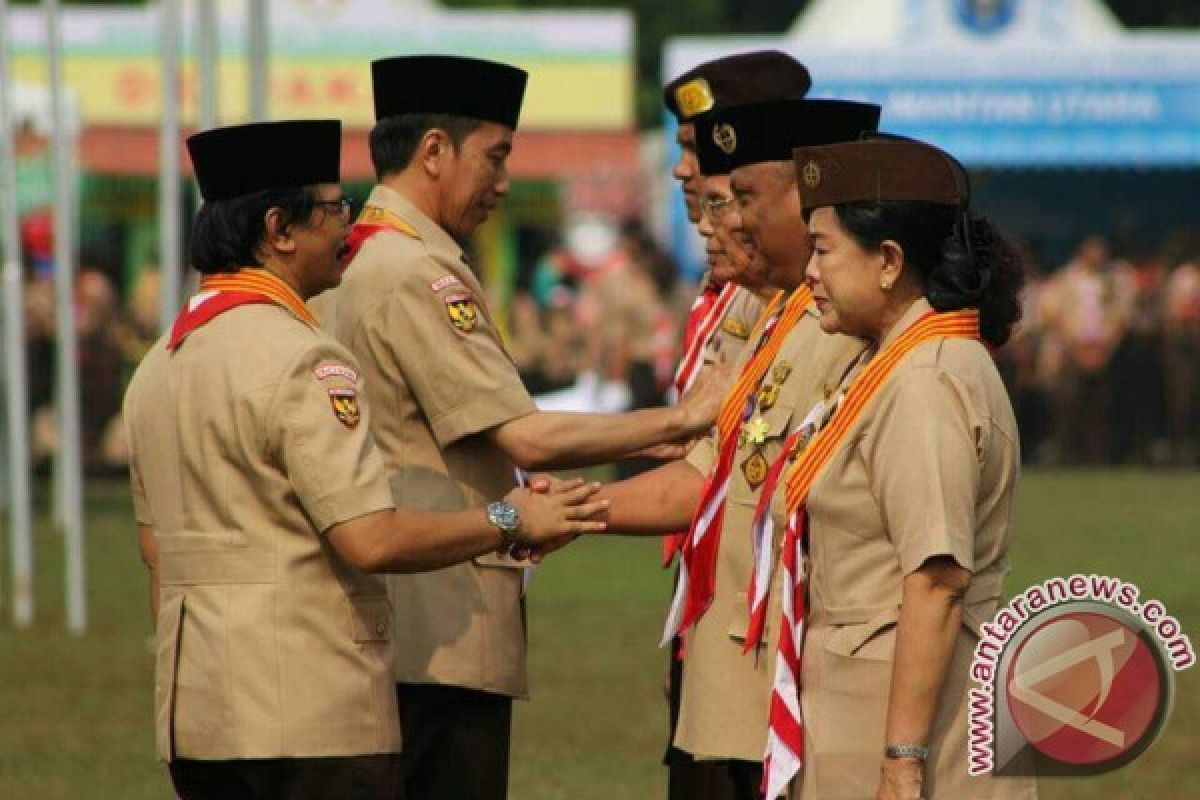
(342, 206)
(714, 205)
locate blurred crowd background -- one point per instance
(1105, 368)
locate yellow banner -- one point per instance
(580, 95)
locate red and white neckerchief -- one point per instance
(762, 530)
(697, 574)
(785, 727)
(224, 291)
(371, 220)
(704, 320)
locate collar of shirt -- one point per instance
(435, 238)
(918, 309)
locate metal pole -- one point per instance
(16, 378)
(207, 53)
(256, 28)
(170, 204)
(68, 372)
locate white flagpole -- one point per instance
(256, 29)
(170, 203)
(207, 54)
(71, 492)
(16, 377)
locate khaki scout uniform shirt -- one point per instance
(735, 328)
(269, 646)
(929, 469)
(437, 376)
(726, 693)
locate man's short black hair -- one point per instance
(227, 234)
(394, 139)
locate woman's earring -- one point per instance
(885, 285)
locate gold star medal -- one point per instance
(756, 431)
(781, 372)
(755, 468)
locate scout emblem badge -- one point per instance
(345, 406)
(463, 314)
(768, 395)
(755, 468)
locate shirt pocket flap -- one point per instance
(740, 620)
(370, 618)
(872, 639)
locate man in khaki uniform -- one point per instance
(451, 415)
(262, 501)
(725, 692)
(717, 326)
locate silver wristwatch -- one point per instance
(507, 519)
(906, 751)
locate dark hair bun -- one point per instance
(981, 270)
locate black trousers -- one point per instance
(456, 742)
(373, 777)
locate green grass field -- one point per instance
(75, 714)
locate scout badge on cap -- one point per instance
(345, 406)
(462, 312)
(694, 97)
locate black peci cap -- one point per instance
(735, 137)
(736, 80)
(243, 159)
(454, 85)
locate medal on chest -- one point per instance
(754, 468)
(756, 431)
(768, 395)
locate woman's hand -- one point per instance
(564, 509)
(901, 779)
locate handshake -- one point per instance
(553, 512)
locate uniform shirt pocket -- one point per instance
(370, 619)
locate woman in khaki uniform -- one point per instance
(262, 502)
(907, 488)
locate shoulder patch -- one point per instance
(445, 282)
(326, 371)
(460, 307)
(345, 406)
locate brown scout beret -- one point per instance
(736, 80)
(882, 168)
(734, 137)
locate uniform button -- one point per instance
(381, 628)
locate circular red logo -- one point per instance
(1085, 688)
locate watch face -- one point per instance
(503, 515)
